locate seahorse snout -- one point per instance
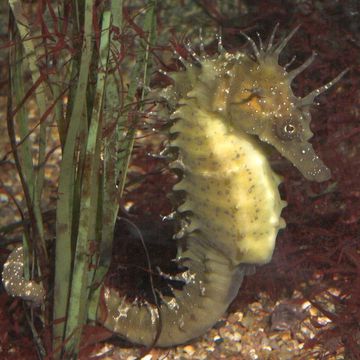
(302, 155)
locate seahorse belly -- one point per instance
(231, 190)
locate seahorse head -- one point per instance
(260, 102)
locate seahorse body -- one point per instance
(226, 107)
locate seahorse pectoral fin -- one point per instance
(302, 155)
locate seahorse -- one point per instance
(225, 108)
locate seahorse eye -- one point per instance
(287, 130)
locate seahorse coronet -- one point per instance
(222, 112)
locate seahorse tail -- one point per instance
(14, 281)
(211, 283)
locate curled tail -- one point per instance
(211, 283)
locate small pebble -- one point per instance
(323, 320)
(253, 355)
(255, 307)
(235, 336)
(235, 317)
(218, 339)
(147, 357)
(210, 348)
(189, 349)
